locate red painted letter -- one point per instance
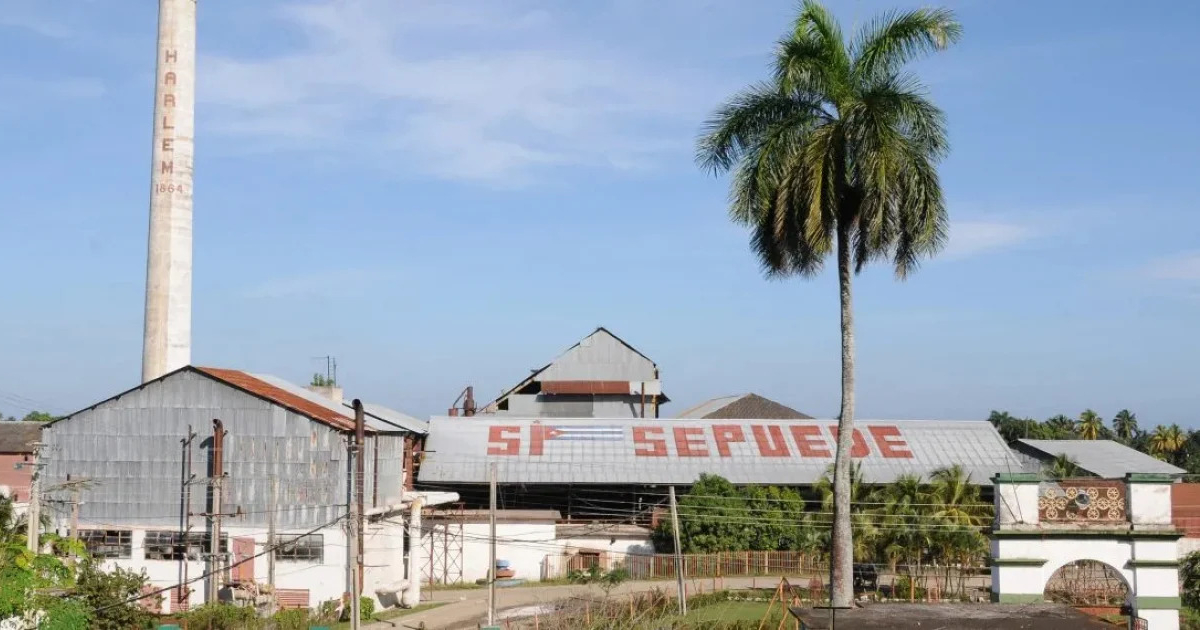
(726, 434)
(498, 444)
(169, 78)
(770, 441)
(649, 446)
(890, 442)
(687, 444)
(858, 444)
(538, 434)
(809, 442)
(167, 166)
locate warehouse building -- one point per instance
(153, 475)
(592, 488)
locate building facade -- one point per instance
(16, 457)
(151, 482)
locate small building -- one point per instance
(163, 469)
(1099, 458)
(743, 407)
(599, 377)
(16, 457)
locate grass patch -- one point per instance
(393, 613)
(730, 611)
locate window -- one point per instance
(310, 548)
(107, 543)
(170, 546)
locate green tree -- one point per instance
(108, 593)
(955, 499)
(37, 416)
(1090, 425)
(1166, 441)
(1125, 425)
(1062, 467)
(837, 155)
(1059, 427)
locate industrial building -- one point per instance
(17, 441)
(602, 376)
(151, 476)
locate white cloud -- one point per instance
(458, 91)
(1184, 267)
(973, 238)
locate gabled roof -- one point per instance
(274, 393)
(743, 406)
(1103, 458)
(288, 395)
(16, 437)
(387, 420)
(537, 374)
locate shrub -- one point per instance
(366, 608)
(1189, 577)
(223, 617)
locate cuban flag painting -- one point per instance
(542, 434)
(592, 433)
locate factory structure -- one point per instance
(150, 477)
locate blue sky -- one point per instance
(443, 194)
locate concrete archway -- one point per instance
(1088, 583)
(1034, 537)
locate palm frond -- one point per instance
(817, 23)
(897, 37)
(742, 123)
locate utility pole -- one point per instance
(492, 546)
(217, 487)
(678, 554)
(356, 513)
(34, 513)
(273, 507)
(74, 510)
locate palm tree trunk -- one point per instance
(841, 565)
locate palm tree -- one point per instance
(837, 155)
(956, 500)
(1125, 425)
(1062, 466)
(1090, 425)
(1061, 427)
(1165, 441)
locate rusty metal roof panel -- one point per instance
(644, 452)
(283, 396)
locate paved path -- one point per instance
(467, 607)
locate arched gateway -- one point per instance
(1042, 526)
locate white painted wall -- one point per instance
(324, 581)
(524, 545)
(1150, 503)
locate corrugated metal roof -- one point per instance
(386, 419)
(643, 451)
(16, 437)
(1104, 458)
(283, 394)
(751, 406)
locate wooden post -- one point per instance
(273, 504)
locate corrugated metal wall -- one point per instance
(131, 449)
(599, 357)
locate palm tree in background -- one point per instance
(1125, 425)
(1060, 426)
(1166, 441)
(836, 155)
(1062, 466)
(1090, 425)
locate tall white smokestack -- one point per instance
(167, 340)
